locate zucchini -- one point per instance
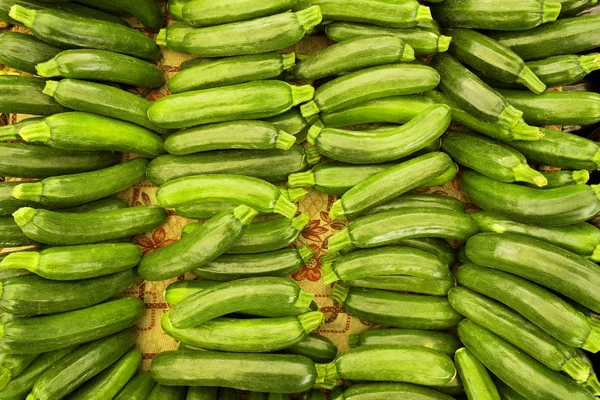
(11, 234)
(146, 11)
(366, 391)
(565, 36)
(492, 159)
(107, 204)
(423, 41)
(201, 393)
(73, 190)
(13, 56)
(518, 331)
(408, 311)
(198, 248)
(556, 108)
(279, 296)
(69, 31)
(11, 365)
(563, 178)
(22, 94)
(40, 162)
(573, 7)
(514, 15)
(363, 147)
(317, 348)
(256, 193)
(352, 55)
(252, 135)
(278, 263)
(410, 284)
(32, 295)
(443, 342)
(506, 392)
(389, 227)
(175, 8)
(231, 71)
(246, 335)
(493, 59)
(411, 200)
(85, 362)
(138, 388)
(9, 204)
(390, 183)
(476, 379)
(161, 392)
(172, 36)
(229, 394)
(369, 84)
(57, 331)
(251, 100)
(520, 371)
(109, 382)
(205, 13)
(84, 131)
(291, 122)
(409, 364)
(259, 35)
(547, 207)
(314, 395)
(278, 373)
(540, 306)
(270, 165)
(58, 228)
(11, 132)
(581, 238)
(102, 65)
(567, 273)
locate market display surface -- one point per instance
(299, 199)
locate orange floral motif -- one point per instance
(313, 231)
(158, 240)
(312, 269)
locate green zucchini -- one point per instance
(411, 200)
(367, 391)
(352, 55)
(22, 94)
(278, 373)
(256, 193)
(11, 272)
(492, 159)
(58, 228)
(314, 395)
(443, 342)
(278, 263)
(408, 311)
(506, 392)
(280, 296)
(573, 7)
(107, 204)
(9, 204)
(231, 71)
(492, 59)
(85, 131)
(11, 132)
(317, 348)
(369, 84)
(291, 122)
(13, 56)
(69, 31)
(226, 393)
(109, 382)
(556, 108)
(40, 162)
(102, 65)
(201, 393)
(541, 307)
(476, 379)
(581, 238)
(172, 36)
(270, 165)
(514, 15)
(162, 392)
(518, 331)
(11, 234)
(389, 227)
(423, 41)
(32, 295)
(11, 365)
(198, 248)
(409, 284)
(138, 388)
(547, 207)
(175, 8)
(520, 371)
(85, 362)
(72, 190)
(565, 36)
(363, 147)
(146, 11)
(389, 184)
(567, 273)
(259, 35)
(246, 335)
(204, 13)
(565, 177)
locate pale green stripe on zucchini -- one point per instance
(476, 379)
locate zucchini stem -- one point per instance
(524, 173)
(530, 80)
(339, 241)
(592, 342)
(28, 191)
(304, 299)
(309, 17)
(161, 37)
(327, 376)
(592, 384)
(302, 179)
(444, 43)
(509, 117)
(522, 131)
(594, 257)
(48, 69)
(8, 132)
(39, 132)
(244, 214)
(51, 88)
(581, 177)
(288, 60)
(306, 253)
(285, 140)
(312, 155)
(285, 207)
(589, 63)
(23, 216)
(550, 11)
(314, 131)
(300, 222)
(408, 54)
(339, 293)
(309, 109)
(28, 260)
(329, 275)
(423, 14)
(337, 211)
(23, 15)
(302, 94)
(577, 368)
(311, 320)
(296, 194)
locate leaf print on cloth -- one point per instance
(157, 240)
(312, 269)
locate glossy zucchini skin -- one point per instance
(260, 35)
(11, 235)
(278, 373)
(57, 331)
(204, 13)
(22, 94)
(317, 348)
(443, 342)
(9, 204)
(138, 388)
(231, 71)
(162, 392)
(409, 284)
(546, 207)
(475, 377)
(397, 310)
(57, 228)
(146, 11)
(366, 391)
(520, 371)
(411, 200)
(13, 56)
(565, 36)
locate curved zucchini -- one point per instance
(411, 200)
(69, 31)
(102, 65)
(547, 207)
(408, 311)
(366, 391)
(138, 388)
(58, 228)
(317, 348)
(13, 56)
(85, 131)
(443, 342)
(204, 12)
(476, 379)
(198, 248)
(9, 204)
(162, 392)
(409, 284)
(22, 94)
(146, 11)
(11, 234)
(260, 35)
